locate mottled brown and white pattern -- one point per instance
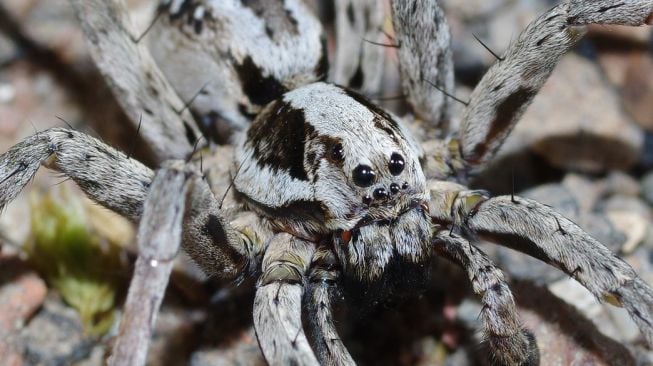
(244, 54)
(328, 188)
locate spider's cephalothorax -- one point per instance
(330, 190)
(336, 163)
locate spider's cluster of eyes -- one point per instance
(364, 176)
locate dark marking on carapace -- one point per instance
(382, 125)
(328, 144)
(278, 136)
(300, 211)
(385, 123)
(260, 89)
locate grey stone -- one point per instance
(627, 204)
(603, 229)
(576, 122)
(555, 195)
(647, 187)
(55, 336)
(622, 184)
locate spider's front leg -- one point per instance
(278, 302)
(537, 230)
(122, 184)
(106, 175)
(509, 86)
(509, 343)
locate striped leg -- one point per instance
(509, 343)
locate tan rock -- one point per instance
(21, 293)
(576, 122)
(633, 225)
(638, 89)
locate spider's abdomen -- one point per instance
(323, 158)
(240, 54)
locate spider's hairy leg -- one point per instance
(144, 93)
(611, 12)
(322, 290)
(509, 343)
(278, 302)
(425, 60)
(537, 230)
(121, 184)
(106, 175)
(159, 237)
(360, 44)
(509, 86)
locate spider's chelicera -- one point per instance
(327, 186)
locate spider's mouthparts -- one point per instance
(370, 219)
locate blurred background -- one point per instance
(585, 147)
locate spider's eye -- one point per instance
(364, 176)
(396, 164)
(380, 193)
(337, 153)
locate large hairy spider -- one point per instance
(328, 188)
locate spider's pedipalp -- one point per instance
(322, 290)
(225, 246)
(537, 230)
(159, 237)
(509, 343)
(510, 85)
(278, 302)
(425, 59)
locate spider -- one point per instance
(324, 187)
